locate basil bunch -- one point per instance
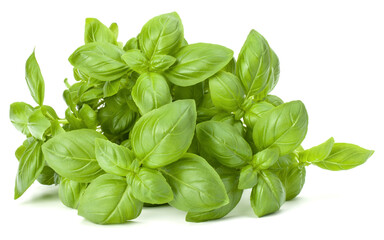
(160, 121)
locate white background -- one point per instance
(331, 55)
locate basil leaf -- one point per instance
(195, 92)
(274, 100)
(161, 35)
(113, 158)
(268, 195)
(38, 124)
(110, 88)
(108, 200)
(195, 184)
(293, 179)
(151, 91)
(226, 91)
(206, 110)
(163, 135)
(230, 67)
(19, 113)
(70, 192)
(131, 44)
(222, 142)
(100, 60)
(197, 62)
(114, 29)
(283, 127)
(95, 31)
(254, 63)
(47, 176)
(344, 156)
(149, 186)
(92, 94)
(30, 166)
(74, 122)
(160, 63)
(116, 117)
(89, 116)
(34, 79)
(230, 180)
(317, 153)
(136, 60)
(72, 155)
(248, 177)
(266, 158)
(230, 119)
(253, 114)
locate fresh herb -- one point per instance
(160, 121)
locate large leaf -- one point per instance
(30, 166)
(100, 60)
(72, 155)
(70, 192)
(34, 79)
(151, 91)
(196, 185)
(293, 179)
(283, 127)
(197, 62)
(268, 195)
(163, 135)
(108, 200)
(222, 142)
(317, 153)
(95, 31)
(344, 156)
(161, 35)
(19, 113)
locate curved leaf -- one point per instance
(70, 192)
(34, 79)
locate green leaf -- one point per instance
(252, 115)
(226, 91)
(47, 176)
(293, 179)
(34, 79)
(222, 142)
(38, 124)
(163, 135)
(92, 94)
(70, 192)
(195, 184)
(161, 35)
(248, 177)
(89, 116)
(100, 60)
(30, 166)
(116, 117)
(254, 63)
(345, 156)
(95, 31)
(19, 113)
(230, 180)
(131, 44)
(136, 60)
(230, 119)
(110, 88)
(266, 158)
(230, 67)
(317, 153)
(274, 100)
(268, 195)
(206, 110)
(197, 62)
(160, 63)
(72, 155)
(151, 91)
(114, 29)
(283, 127)
(108, 200)
(194, 92)
(113, 158)
(149, 186)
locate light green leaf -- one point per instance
(197, 62)
(317, 153)
(268, 195)
(344, 156)
(266, 158)
(72, 155)
(70, 192)
(19, 113)
(100, 60)
(253, 114)
(108, 200)
(274, 100)
(30, 166)
(222, 142)
(113, 158)
(163, 135)
(136, 60)
(149, 186)
(151, 91)
(293, 179)
(110, 88)
(131, 44)
(95, 31)
(34, 79)
(38, 124)
(161, 35)
(226, 91)
(195, 184)
(283, 127)
(160, 63)
(248, 177)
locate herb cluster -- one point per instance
(160, 121)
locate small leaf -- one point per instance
(95, 31)
(19, 113)
(136, 60)
(38, 124)
(160, 63)
(248, 177)
(317, 153)
(252, 115)
(266, 158)
(34, 79)
(110, 88)
(70, 192)
(131, 44)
